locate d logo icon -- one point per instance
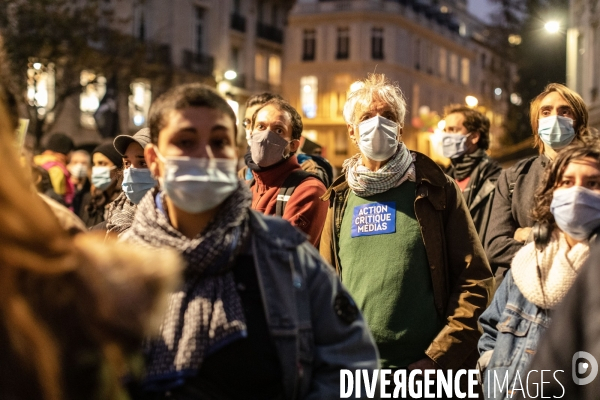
(581, 367)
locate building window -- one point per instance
(235, 59)
(453, 67)
(200, 30)
(343, 44)
(443, 62)
(274, 15)
(139, 103)
(308, 45)
(260, 67)
(260, 9)
(40, 87)
(308, 95)
(377, 43)
(93, 90)
(465, 73)
(237, 6)
(417, 55)
(275, 70)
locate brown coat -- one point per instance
(461, 276)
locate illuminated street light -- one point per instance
(230, 75)
(552, 26)
(471, 101)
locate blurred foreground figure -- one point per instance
(260, 315)
(72, 311)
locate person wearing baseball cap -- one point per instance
(137, 180)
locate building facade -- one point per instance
(438, 54)
(186, 41)
(583, 54)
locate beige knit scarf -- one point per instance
(558, 266)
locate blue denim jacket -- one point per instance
(299, 290)
(512, 327)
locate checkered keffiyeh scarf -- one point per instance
(120, 214)
(365, 183)
(206, 313)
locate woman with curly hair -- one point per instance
(566, 212)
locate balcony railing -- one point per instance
(202, 64)
(238, 22)
(269, 32)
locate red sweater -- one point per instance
(304, 209)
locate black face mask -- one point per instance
(464, 165)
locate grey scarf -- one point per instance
(365, 183)
(206, 313)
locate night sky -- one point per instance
(480, 8)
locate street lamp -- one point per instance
(552, 26)
(471, 101)
(230, 75)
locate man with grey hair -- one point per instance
(400, 235)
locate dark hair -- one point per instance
(261, 98)
(181, 97)
(586, 147)
(60, 143)
(474, 122)
(283, 105)
(580, 123)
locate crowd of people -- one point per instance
(156, 268)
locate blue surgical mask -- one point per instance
(576, 211)
(556, 131)
(136, 183)
(454, 145)
(101, 178)
(378, 138)
(198, 184)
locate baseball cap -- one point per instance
(121, 142)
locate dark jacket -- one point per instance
(479, 192)
(574, 329)
(461, 277)
(511, 209)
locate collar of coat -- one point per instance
(426, 170)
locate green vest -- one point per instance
(385, 269)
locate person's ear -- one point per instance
(152, 160)
(294, 145)
(475, 136)
(352, 133)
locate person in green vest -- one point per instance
(400, 236)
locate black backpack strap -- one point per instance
(289, 185)
(521, 169)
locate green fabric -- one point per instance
(388, 277)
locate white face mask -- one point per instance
(101, 177)
(198, 184)
(556, 131)
(78, 170)
(454, 145)
(378, 138)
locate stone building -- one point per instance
(435, 50)
(583, 54)
(187, 41)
